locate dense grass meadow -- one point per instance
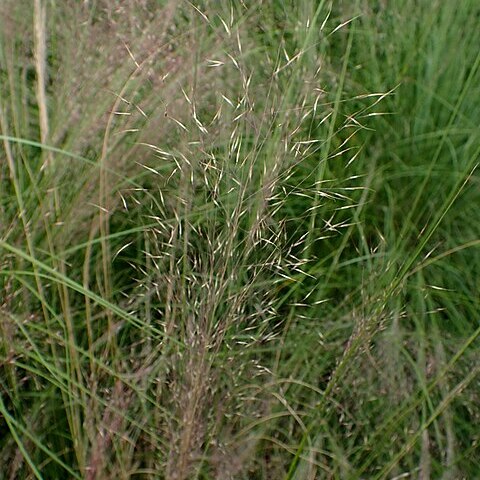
(239, 239)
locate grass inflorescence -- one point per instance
(239, 239)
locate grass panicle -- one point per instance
(239, 240)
